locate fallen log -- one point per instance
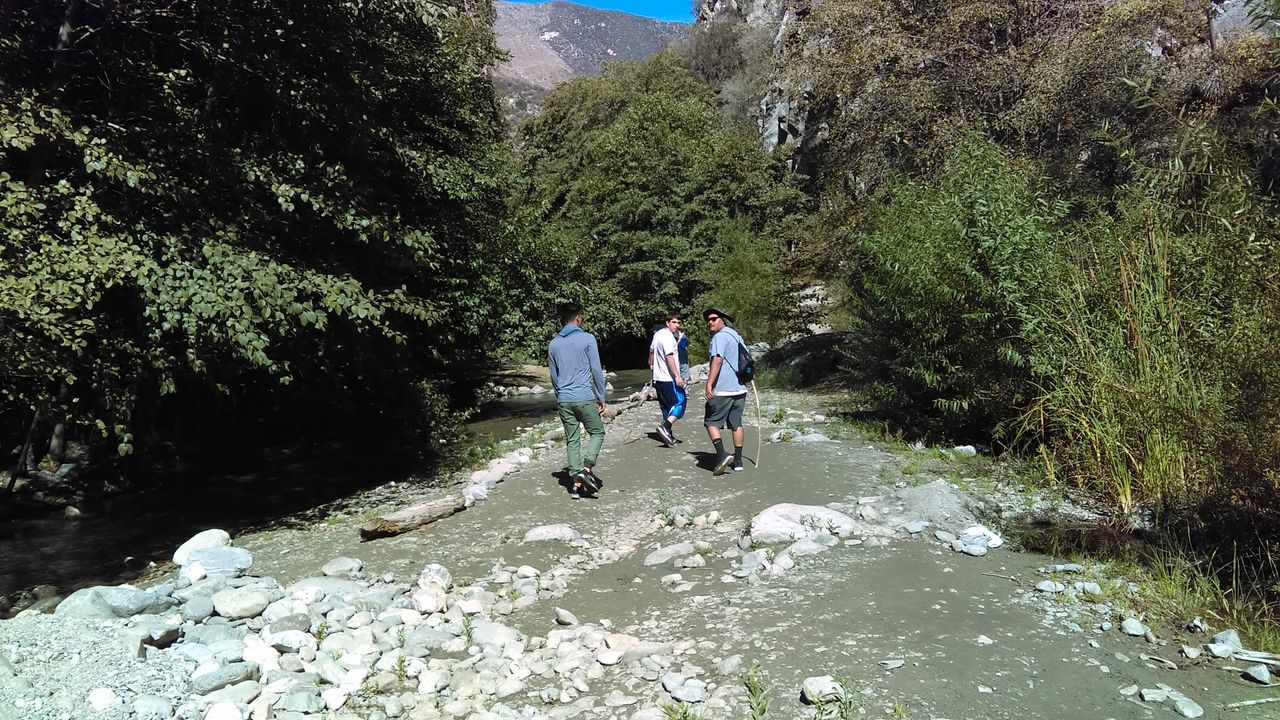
(412, 518)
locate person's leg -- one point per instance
(739, 432)
(717, 414)
(595, 433)
(572, 441)
(666, 400)
(677, 409)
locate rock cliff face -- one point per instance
(552, 42)
(784, 117)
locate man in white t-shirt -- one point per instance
(665, 363)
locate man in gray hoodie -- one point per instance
(578, 379)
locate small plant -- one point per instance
(899, 712)
(402, 637)
(322, 631)
(757, 701)
(468, 624)
(664, 498)
(912, 467)
(778, 416)
(681, 711)
(401, 668)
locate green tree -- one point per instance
(227, 208)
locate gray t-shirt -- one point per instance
(725, 344)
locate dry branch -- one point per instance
(411, 518)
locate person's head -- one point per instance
(571, 314)
(672, 323)
(716, 319)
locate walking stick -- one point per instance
(759, 423)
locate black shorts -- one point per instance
(671, 398)
(724, 412)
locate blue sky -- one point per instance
(677, 10)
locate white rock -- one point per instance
(1218, 650)
(103, 699)
(609, 657)
(342, 566)
(821, 687)
(564, 617)
(788, 522)
(559, 531)
(429, 599)
(435, 574)
(965, 450)
(1134, 627)
(236, 603)
(665, 555)
(205, 539)
(1049, 586)
(1258, 673)
(1230, 638)
(224, 710)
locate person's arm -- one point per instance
(674, 366)
(551, 366)
(597, 372)
(713, 373)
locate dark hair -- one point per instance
(569, 312)
(670, 317)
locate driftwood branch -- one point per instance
(411, 518)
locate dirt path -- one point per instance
(972, 645)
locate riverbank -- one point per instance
(873, 595)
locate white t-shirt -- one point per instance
(664, 344)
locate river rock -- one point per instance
(197, 609)
(974, 550)
(1134, 627)
(435, 574)
(1218, 650)
(429, 599)
(559, 531)
(641, 650)
(788, 522)
(104, 602)
(820, 687)
(237, 603)
(151, 707)
(564, 617)
(665, 555)
(692, 691)
(648, 714)
(485, 632)
(200, 541)
(1049, 586)
(223, 711)
(217, 562)
(1258, 673)
(945, 536)
(103, 699)
(313, 589)
(223, 676)
(1231, 639)
(342, 567)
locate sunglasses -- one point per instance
(712, 318)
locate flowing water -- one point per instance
(113, 541)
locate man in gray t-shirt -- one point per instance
(726, 397)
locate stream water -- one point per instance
(115, 540)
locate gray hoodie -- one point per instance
(575, 363)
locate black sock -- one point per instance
(737, 455)
(719, 447)
(666, 424)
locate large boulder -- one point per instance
(200, 541)
(113, 602)
(788, 522)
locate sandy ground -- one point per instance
(975, 638)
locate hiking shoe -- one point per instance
(574, 494)
(588, 480)
(737, 467)
(667, 437)
(722, 467)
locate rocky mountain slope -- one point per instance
(552, 42)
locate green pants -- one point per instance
(587, 413)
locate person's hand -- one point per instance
(600, 406)
(679, 382)
(711, 392)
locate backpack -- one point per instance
(746, 368)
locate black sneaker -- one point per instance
(667, 437)
(737, 467)
(722, 467)
(575, 493)
(589, 481)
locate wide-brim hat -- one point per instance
(728, 319)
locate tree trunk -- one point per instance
(412, 518)
(20, 467)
